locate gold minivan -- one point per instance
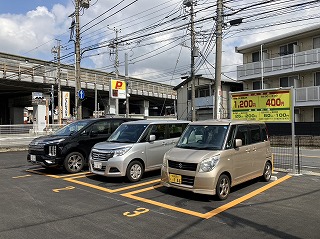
(214, 155)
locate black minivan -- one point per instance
(70, 146)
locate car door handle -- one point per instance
(254, 149)
(248, 150)
(164, 143)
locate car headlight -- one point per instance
(208, 164)
(57, 141)
(122, 151)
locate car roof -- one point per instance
(225, 122)
(158, 122)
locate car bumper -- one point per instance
(203, 183)
(44, 160)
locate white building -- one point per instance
(291, 59)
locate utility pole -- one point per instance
(217, 93)
(127, 91)
(190, 3)
(78, 110)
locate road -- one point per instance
(38, 203)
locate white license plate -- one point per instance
(97, 165)
(33, 158)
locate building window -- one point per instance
(256, 56)
(256, 85)
(316, 42)
(287, 49)
(317, 79)
(189, 94)
(202, 92)
(287, 81)
(316, 114)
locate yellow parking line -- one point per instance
(36, 171)
(178, 209)
(73, 180)
(208, 214)
(245, 197)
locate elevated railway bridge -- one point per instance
(20, 76)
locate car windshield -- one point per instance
(203, 137)
(127, 133)
(72, 128)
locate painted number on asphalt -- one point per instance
(61, 189)
(136, 212)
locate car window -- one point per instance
(159, 131)
(231, 137)
(255, 134)
(101, 127)
(175, 130)
(242, 133)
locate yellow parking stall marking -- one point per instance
(23, 176)
(245, 197)
(208, 214)
(178, 209)
(36, 171)
(73, 180)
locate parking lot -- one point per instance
(38, 203)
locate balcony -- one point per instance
(307, 96)
(300, 61)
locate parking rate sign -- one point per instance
(265, 105)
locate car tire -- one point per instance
(134, 171)
(223, 187)
(267, 172)
(73, 162)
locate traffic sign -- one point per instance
(81, 94)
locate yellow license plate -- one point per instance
(174, 178)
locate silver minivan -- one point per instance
(135, 148)
(214, 155)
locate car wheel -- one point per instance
(134, 171)
(267, 172)
(74, 162)
(223, 187)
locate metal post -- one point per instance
(293, 131)
(78, 112)
(217, 92)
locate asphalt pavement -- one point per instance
(41, 203)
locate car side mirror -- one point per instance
(238, 142)
(152, 137)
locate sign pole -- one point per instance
(293, 132)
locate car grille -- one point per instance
(99, 156)
(36, 146)
(187, 180)
(183, 166)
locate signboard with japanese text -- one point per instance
(271, 105)
(118, 89)
(65, 104)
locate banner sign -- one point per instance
(65, 104)
(118, 89)
(265, 105)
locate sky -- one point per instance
(154, 35)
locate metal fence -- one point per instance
(283, 152)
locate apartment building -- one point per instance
(287, 60)
(204, 98)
